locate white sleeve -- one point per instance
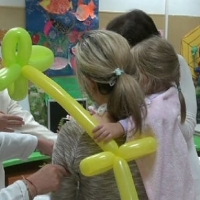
(188, 90)
(15, 145)
(16, 191)
(31, 126)
(34, 128)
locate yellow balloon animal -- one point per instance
(25, 62)
(17, 53)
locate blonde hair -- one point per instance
(98, 54)
(159, 68)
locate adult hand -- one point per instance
(47, 179)
(9, 122)
(45, 146)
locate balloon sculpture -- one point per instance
(17, 54)
(23, 62)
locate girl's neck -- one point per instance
(102, 115)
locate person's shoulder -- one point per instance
(167, 99)
(182, 61)
(168, 94)
(71, 130)
(163, 109)
(180, 57)
(5, 101)
(68, 139)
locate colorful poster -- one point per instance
(59, 24)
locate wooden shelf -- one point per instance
(14, 173)
(16, 168)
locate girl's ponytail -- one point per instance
(182, 103)
(127, 100)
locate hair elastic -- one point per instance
(118, 72)
(112, 81)
(179, 88)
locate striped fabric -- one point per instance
(71, 147)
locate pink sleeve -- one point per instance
(128, 126)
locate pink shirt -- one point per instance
(167, 173)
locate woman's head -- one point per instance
(158, 66)
(135, 26)
(104, 58)
(98, 54)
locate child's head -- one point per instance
(135, 26)
(158, 66)
(104, 58)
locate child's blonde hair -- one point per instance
(159, 68)
(104, 57)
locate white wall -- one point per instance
(176, 7)
(18, 3)
(150, 6)
(184, 7)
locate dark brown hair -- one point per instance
(135, 26)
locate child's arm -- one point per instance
(108, 131)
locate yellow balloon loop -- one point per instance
(137, 148)
(17, 51)
(124, 180)
(9, 75)
(103, 162)
(16, 47)
(97, 164)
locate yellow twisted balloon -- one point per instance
(17, 53)
(25, 62)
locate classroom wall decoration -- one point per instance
(190, 49)
(59, 24)
(190, 46)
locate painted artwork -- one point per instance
(59, 24)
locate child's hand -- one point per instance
(92, 110)
(108, 131)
